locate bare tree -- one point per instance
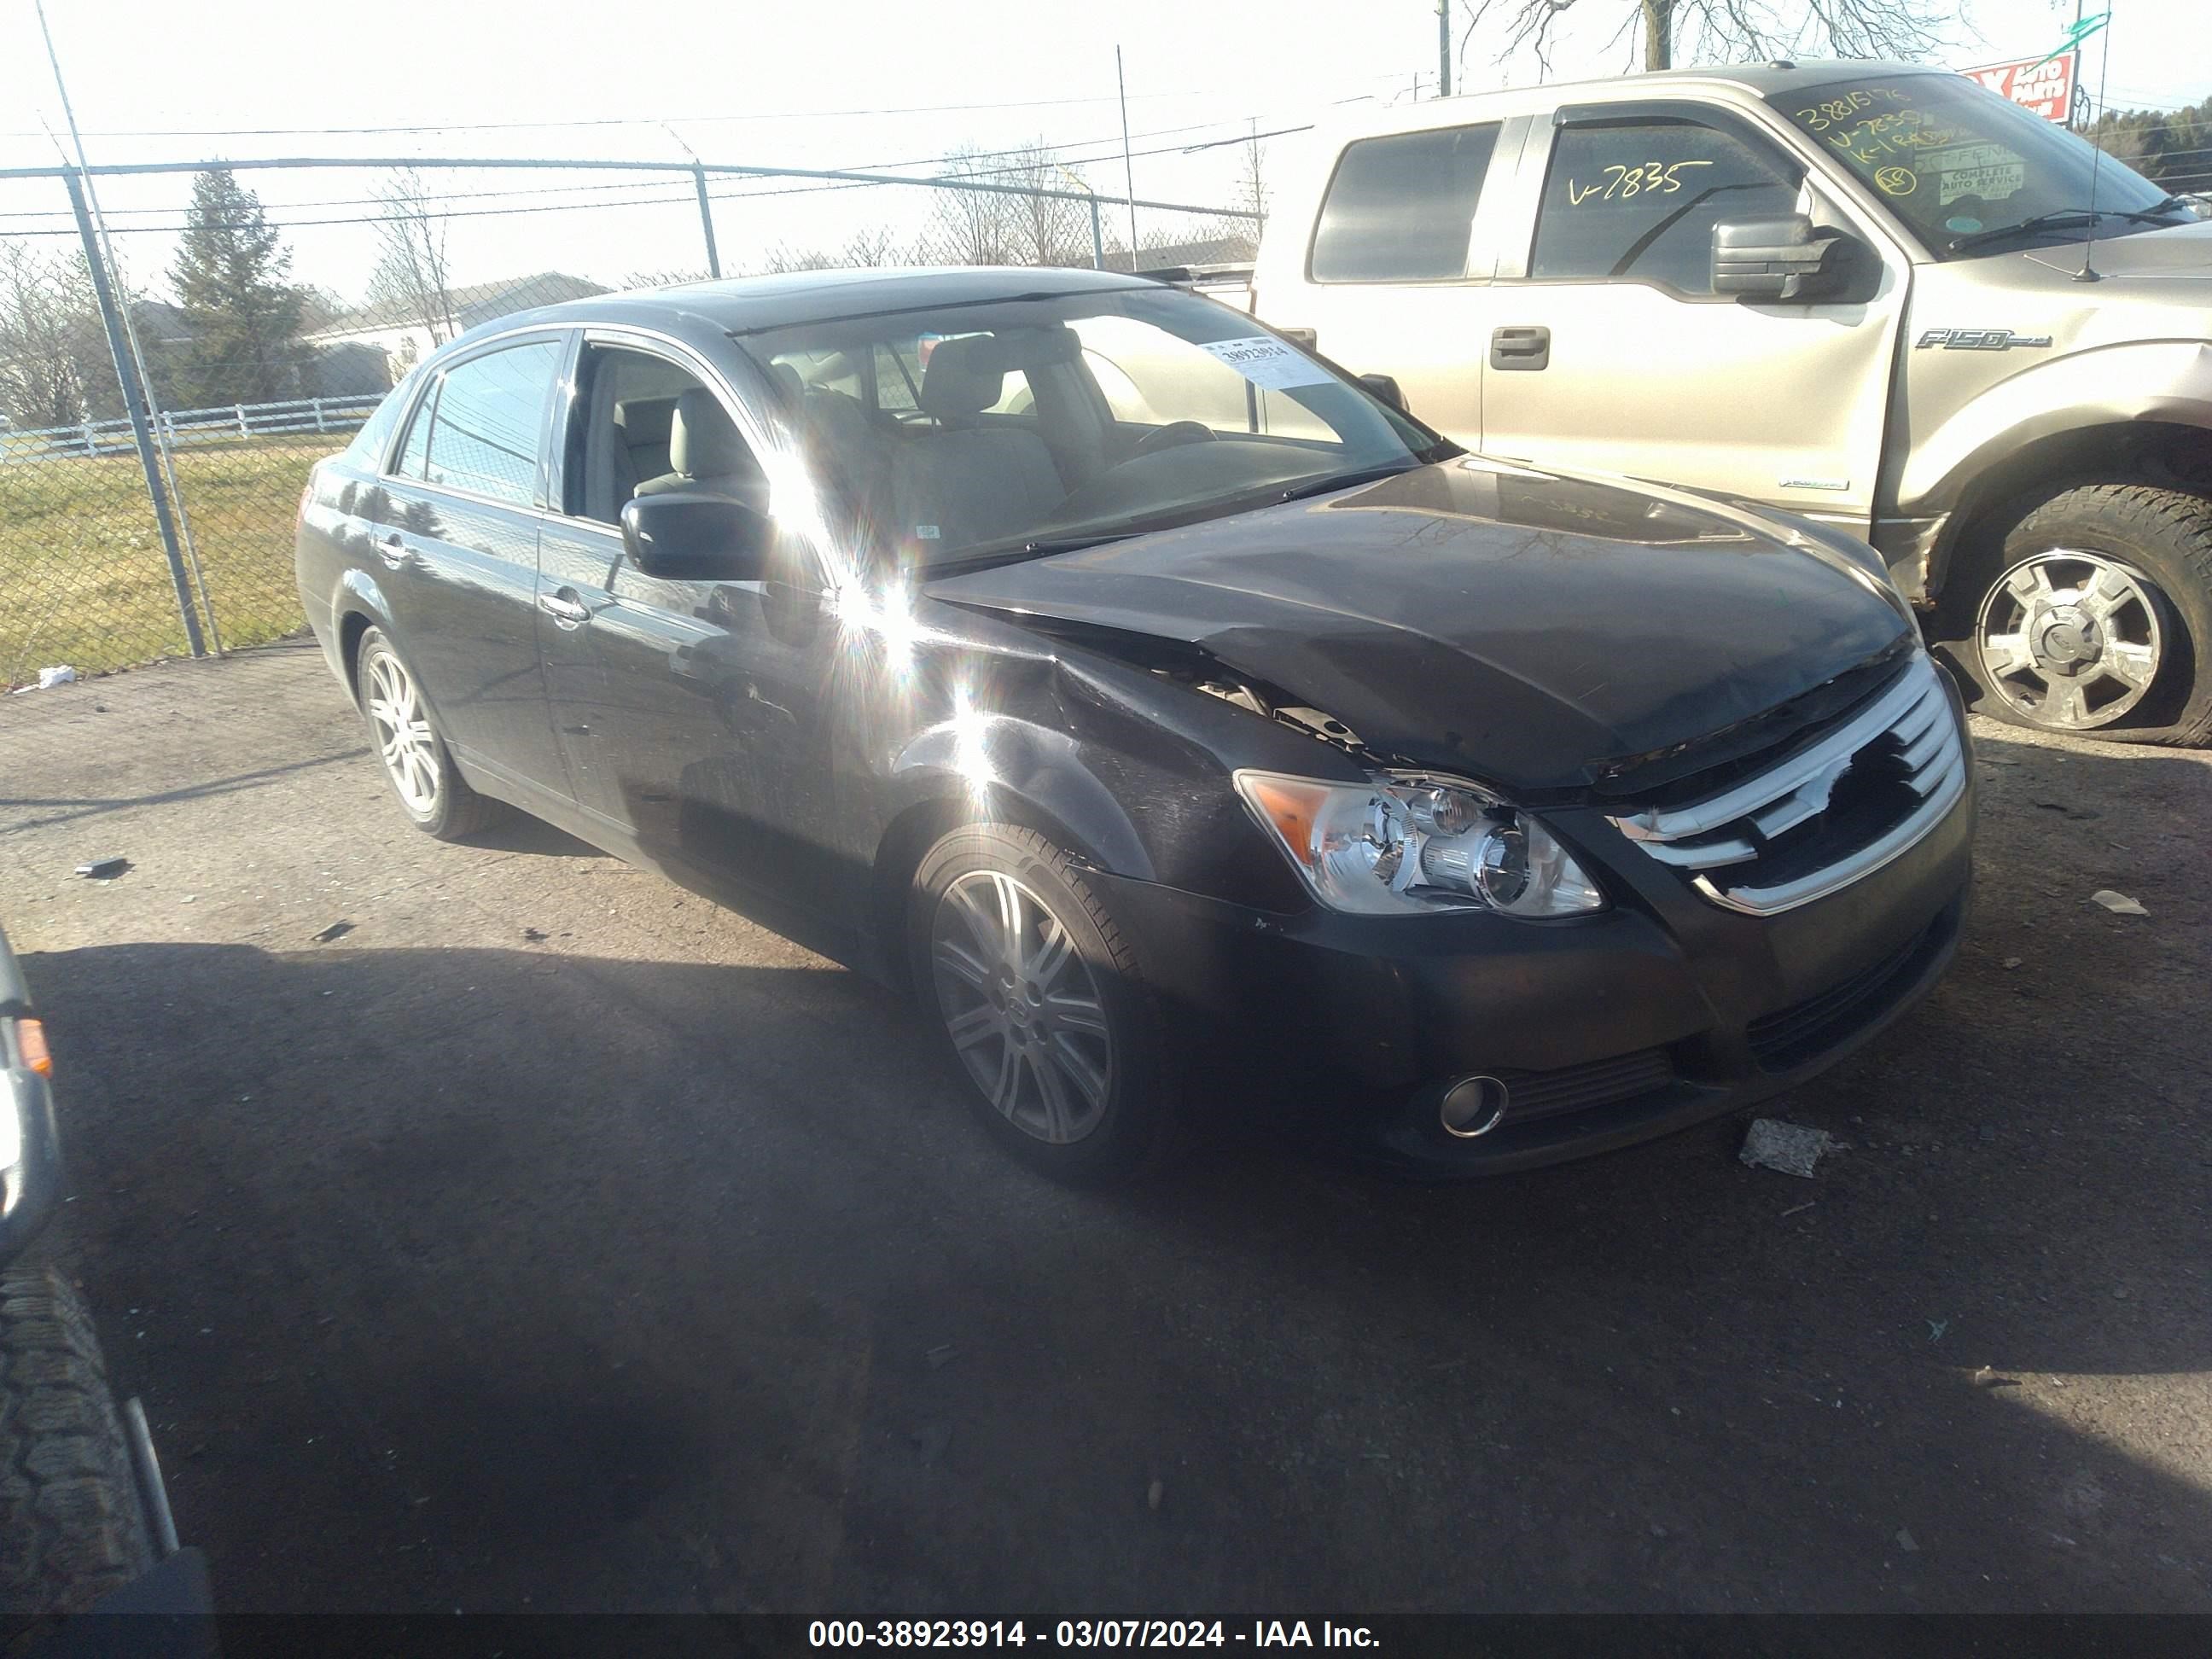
(47, 317)
(1042, 229)
(869, 246)
(784, 257)
(1707, 31)
(1252, 181)
(974, 225)
(410, 274)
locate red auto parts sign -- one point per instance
(2045, 85)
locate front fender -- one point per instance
(992, 759)
(2165, 380)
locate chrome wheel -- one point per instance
(2069, 640)
(1021, 1006)
(403, 737)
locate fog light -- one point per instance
(1472, 1106)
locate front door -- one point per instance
(690, 712)
(456, 543)
(1609, 350)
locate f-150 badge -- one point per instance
(1978, 340)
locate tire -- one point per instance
(75, 1527)
(2091, 590)
(1062, 1053)
(416, 762)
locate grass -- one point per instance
(83, 578)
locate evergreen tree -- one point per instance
(243, 317)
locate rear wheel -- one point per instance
(1038, 1004)
(72, 1525)
(416, 762)
(2093, 616)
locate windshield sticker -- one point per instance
(1962, 222)
(1993, 182)
(1270, 363)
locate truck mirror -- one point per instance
(1778, 257)
(1386, 387)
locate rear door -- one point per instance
(456, 546)
(1609, 350)
(1393, 266)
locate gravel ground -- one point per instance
(554, 1240)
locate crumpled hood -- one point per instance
(1518, 626)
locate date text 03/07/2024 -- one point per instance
(1084, 1633)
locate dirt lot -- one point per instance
(633, 1261)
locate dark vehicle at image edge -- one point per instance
(1179, 722)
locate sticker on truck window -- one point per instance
(1988, 171)
(1269, 363)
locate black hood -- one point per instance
(1522, 627)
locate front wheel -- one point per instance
(1039, 1004)
(2093, 616)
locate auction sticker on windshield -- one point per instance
(1268, 362)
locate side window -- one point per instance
(489, 418)
(1637, 199)
(415, 451)
(646, 425)
(1399, 208)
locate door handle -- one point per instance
(394, 551)
(565, 608)
(1520, 348)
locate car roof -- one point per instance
(1760, 80)
(746, 305)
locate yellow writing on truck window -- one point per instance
(1620, 183)
(1822, 116)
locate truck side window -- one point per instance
(1636, 200)
(1399, 208)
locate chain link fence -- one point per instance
(262, 311)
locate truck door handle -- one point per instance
(394, 551)
(1521, 348)
(565, 608)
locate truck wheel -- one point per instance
(72, 1526)
(2095, 616)
(1038, 1004)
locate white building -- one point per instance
(405, 338)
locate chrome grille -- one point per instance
(1906, 747)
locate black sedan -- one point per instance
(1179, 722)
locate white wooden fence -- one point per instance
(186, 427)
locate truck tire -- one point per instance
(2092, 615)
(72, 1525)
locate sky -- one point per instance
(866, 83)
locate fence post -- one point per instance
(1098, 241)
(244, 430)
(319, 415)
(707, 220)
(90, 446)
(134, 400)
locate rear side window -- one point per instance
(1637, 200)
(490, 420)
(415, 454)
(1401, 207)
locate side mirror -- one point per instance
(685, 537)
(1780, 258)
(1386, 387)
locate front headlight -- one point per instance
(1405, 843)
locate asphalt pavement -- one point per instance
(545, 1238)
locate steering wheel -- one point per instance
(1173, 436)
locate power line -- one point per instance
(627, 120)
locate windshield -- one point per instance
(1020, 425)
(1952, 159)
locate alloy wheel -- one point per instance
(1022, 1006)
(2069, 640)
(403, 737)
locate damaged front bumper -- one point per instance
(1603, 1030)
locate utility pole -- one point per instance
(1443, 48)
(1128, 167)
